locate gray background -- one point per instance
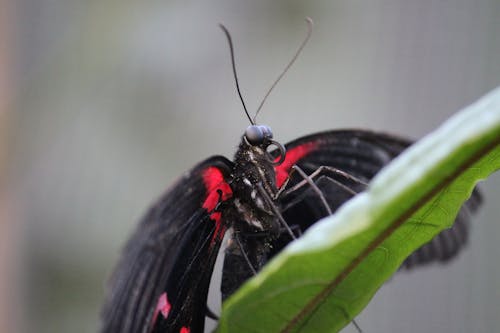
(115, 99)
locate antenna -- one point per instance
(231, 49)
(309, 22)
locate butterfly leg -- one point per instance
(338, 177)
(275, 209)
(210, 314)
(324, 171)
(244, 253)
(309, 181)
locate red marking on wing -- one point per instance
(291, 158)
(220, 229)
(162, 306)
(215, 183)
(217, 189)
(184, 330)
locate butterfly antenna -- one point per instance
(309, 22)
(231, 49)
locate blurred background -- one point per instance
(104, 103)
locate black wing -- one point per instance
(161, 282)
(361, 154)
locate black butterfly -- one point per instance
(266, 199)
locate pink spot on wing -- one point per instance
(162, 306)
(184, 330)
(292, 156)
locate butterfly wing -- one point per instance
(361, 154)
(161, 282)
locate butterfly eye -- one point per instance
(266, 130)
(255, 134)
(258, 134)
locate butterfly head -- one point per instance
(257, 135)
(262, 136)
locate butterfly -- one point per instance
(264, 198)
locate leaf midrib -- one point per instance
(323, 294)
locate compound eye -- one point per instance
(268, 133)
(254, 134)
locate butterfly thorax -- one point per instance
(254, 186)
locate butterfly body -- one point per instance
(254, 174)
(186, 237)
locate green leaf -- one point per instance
(324, 279)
